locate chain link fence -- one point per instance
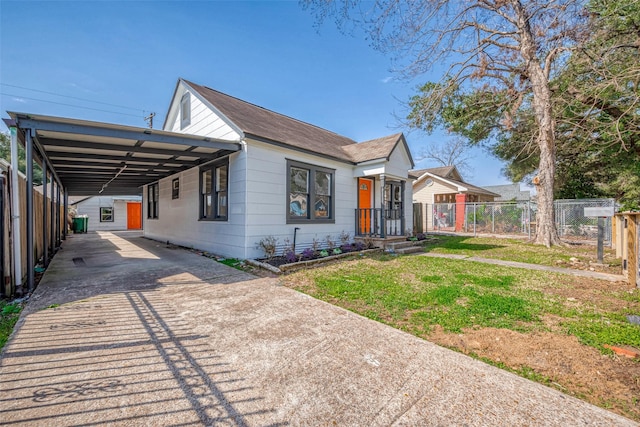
(518, 218)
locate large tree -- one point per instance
(596, 101)
(502, 56)
(453, 151)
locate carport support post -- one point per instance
(29, 194)
(45, 249)
(52, 231)
(66, 215)
(15, 213)
(58, 233)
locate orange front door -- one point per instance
(134, 216)
(365, 202)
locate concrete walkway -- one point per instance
(570, 271)
(149, 335)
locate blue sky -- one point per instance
(117, 61)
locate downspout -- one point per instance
(15, 209)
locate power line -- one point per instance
(70, 105)
(72, 97)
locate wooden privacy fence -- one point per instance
(54, 233)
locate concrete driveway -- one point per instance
(141, 334)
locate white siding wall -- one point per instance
(178, 220)
(91, 208)
(204, 121)
(268, 201)
(398, 163)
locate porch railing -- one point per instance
(378, 222)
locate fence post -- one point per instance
(493, 218)
(474, 219)
(529, 218)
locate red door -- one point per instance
(134, 216)
(365, 203)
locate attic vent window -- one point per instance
(185, 110)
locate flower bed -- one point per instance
(280, 264)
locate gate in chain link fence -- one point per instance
(518, 218)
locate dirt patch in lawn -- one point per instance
(608, 381)
(586, 291)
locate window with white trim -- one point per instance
(185, 110)
(106, 214)
(310, 191)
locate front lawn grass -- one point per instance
(520, 251)
(416, 293)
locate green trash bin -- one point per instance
(80, 224)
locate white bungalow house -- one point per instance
(291, 180)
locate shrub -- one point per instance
(359, 246)
(344, 237)
(346, 247)
(268, 244)
(308, 253)
(336, 251)
(330, 243)
(324, 253)
(290, 256)
(421, 236)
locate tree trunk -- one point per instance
(546, 233)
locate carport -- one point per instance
(80, 157)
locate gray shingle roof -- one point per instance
(443, 171)
(379, 148)
(260, 122)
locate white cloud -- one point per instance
(21, 100)
(387, 79)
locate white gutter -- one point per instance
(15, 205)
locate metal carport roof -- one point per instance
(80, 157)
(91, 158)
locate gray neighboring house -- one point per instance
(509, 192)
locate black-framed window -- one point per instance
(214, 189)
(185, 110)
(310, 193)
(175, 188)
(393, 199)
(106, 214)
(153, 195)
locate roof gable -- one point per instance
(374, 149)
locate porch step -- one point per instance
(401, 245)
(409, 250)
